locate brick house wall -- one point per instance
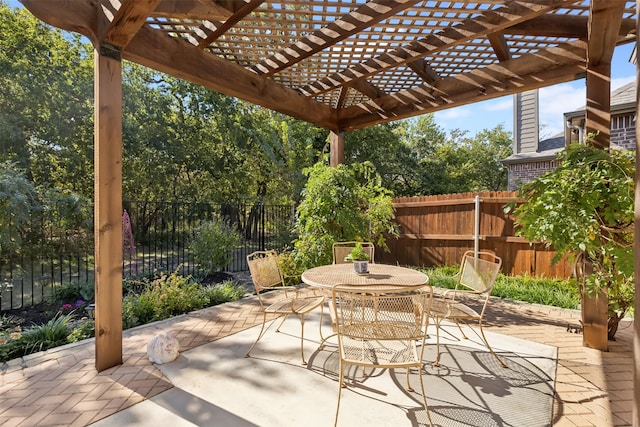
(529, 161)
(623, 131)
(522, 173)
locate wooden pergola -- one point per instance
(339, 64)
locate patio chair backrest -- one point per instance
(479, 272)
(342, 249)
(264, 269)
(380, 313)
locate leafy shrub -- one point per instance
(290, 270)
(51, 334)
(167, 296)
(74, 291)
(137, 310)
(345, 203)
(223, 292)
(585, 210)
(213, 245)
(86, 329)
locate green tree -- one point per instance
(213, 245)
(342, 203)
(459, 163)
(585, 207)
(485, 151)
(18, 200)
(383, 146)
(46, 90)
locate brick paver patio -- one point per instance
(62, 387)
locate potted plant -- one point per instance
(584, 209)
(360, 259)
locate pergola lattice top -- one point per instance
(346, 64)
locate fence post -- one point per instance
(262, 231)
(476, 227)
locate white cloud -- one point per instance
(454, 113)
(505, 103)
(556, 100)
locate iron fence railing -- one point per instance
(156, 237)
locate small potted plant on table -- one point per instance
(360, 259)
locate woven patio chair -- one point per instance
(381, 327)
(266, 276)
(477, 275)
(342, 249)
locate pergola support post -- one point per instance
(108, 206)
(598, 111)
(636, 247)
(336, 147)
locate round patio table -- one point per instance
(327, 276)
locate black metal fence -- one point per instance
(156, 237)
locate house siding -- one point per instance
(526, 120)
(532, 160)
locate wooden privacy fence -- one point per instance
(436, 230)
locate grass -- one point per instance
(546, 291)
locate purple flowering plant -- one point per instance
(68, 307)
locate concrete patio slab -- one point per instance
(214, 384)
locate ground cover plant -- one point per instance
(536, 290)
(64, 319)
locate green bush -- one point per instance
(585, 209)
(345, 203)
(86, 329)
(166, 296)
(289, 268)
(171, 295)
(137, 310)
(223, 292)
(74, 291)
(51, 334)
(213, 245)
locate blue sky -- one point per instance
(554, 101)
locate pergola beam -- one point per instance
(424, 70)
(562, 26)
(123, 23)
(239, 12)
(561, 64)
(500, 47)
(194, 9)
(163, 53)
(367, 88)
